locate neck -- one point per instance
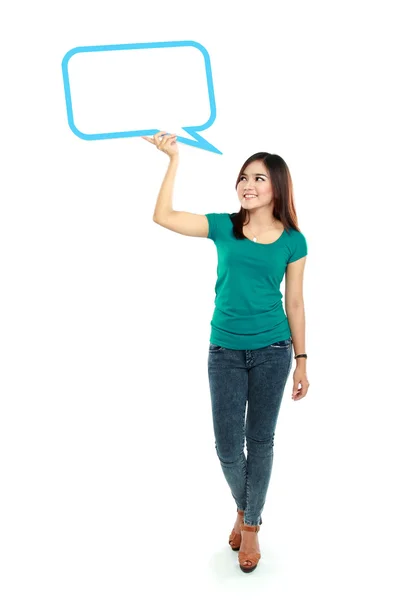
(261, 222)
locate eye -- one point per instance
(256, 178)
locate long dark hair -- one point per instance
(282, 187)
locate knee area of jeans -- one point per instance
(229, 458)
(260, 446)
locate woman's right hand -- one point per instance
(165, 143)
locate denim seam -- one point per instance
(287, 375)
(290, 362)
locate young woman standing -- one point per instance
(250, 352)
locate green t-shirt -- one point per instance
(248, 312)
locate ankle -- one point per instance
(250, 528)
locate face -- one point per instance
(255, 180)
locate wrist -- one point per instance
(301, 364)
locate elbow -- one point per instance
(294, 305)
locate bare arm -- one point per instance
(182, 222)
(294, 306)
(164, 200)
(297, 323)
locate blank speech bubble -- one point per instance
(118, 89)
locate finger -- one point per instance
(157, 136)
(160, 138)
(301, 393)
(166, 141)
(148, 139)
(167, 137)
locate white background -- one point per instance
(110, 484)
(122, 90)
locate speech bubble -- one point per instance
(88, 98)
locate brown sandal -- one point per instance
(252, 557)
(235, 539)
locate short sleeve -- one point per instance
(212, 226)
(298, 246)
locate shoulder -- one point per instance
(216, 216)
(216, 223)
(217, 219)
(295, 234)
(298, 244)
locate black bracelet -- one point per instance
(298, 355)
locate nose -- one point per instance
(247, 186)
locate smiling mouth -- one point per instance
(249, 196)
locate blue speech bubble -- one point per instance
(198, 141)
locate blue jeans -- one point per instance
(258, 378)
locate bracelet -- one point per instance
(298, 355)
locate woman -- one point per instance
(250, 352)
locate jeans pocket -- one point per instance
(214, 348)
(282, 344)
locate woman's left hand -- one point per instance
(300, 377)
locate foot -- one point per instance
(249, 545)
(235, 536)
